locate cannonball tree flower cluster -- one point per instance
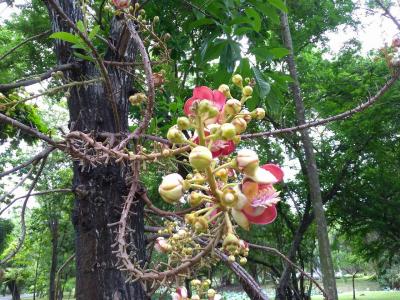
(227, 188)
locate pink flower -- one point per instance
(219, 147)
(260, 199)
(204, 93)
(180, 294)
(120, 4)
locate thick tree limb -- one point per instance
(251, 287)
(36, 79)
(328, 275)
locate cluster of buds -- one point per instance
(201, 290)
(137, 99)
(179, 245)
(224, 190)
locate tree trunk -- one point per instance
(354, 286)
(14, 290)
(53, 224)
(99, 191)
(328, 274)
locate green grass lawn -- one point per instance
(379, 295)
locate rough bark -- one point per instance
(328, 275)
(99, 191)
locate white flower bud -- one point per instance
(161, 245)
(171, 188)
(237, 80)
(240, 125)
(247, 91)
(228, 131)
(247, 161)
(200, 158)
(174, 135)
(232, 107)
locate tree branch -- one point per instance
(36, 79)
(278, 253)
(30, 130)
(23, 226)
(33, 160)
(337, 117)
(35, 194)
(23, 43)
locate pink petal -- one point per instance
(218, 99)
(188, 104)
(203, 92)
(275, 170)
(268, 216)
(229, 148)
(216, 153)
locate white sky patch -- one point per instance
(375, 31)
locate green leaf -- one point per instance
(255, 19)
(262, 84)
(243, 30)
(199, 23)
(265, 53)
(279, 4)
(244, 68)
(84, 57)
(279, 52)
(213, 49)
(66, 36)
(267, 10)
(81, 26)
(93, 32)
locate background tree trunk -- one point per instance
(53, 224)
(14, 290)
(328, 274)
(100, 191)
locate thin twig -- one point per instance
(278, 253)
(388, 13)
(23, 226)
(30, 130)
(53, 90)
(149, 77)
(17, 185)
(69, 259)
(23, 43)
(341, 116)
(36, 79)
(35, 194)
(34, 159)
